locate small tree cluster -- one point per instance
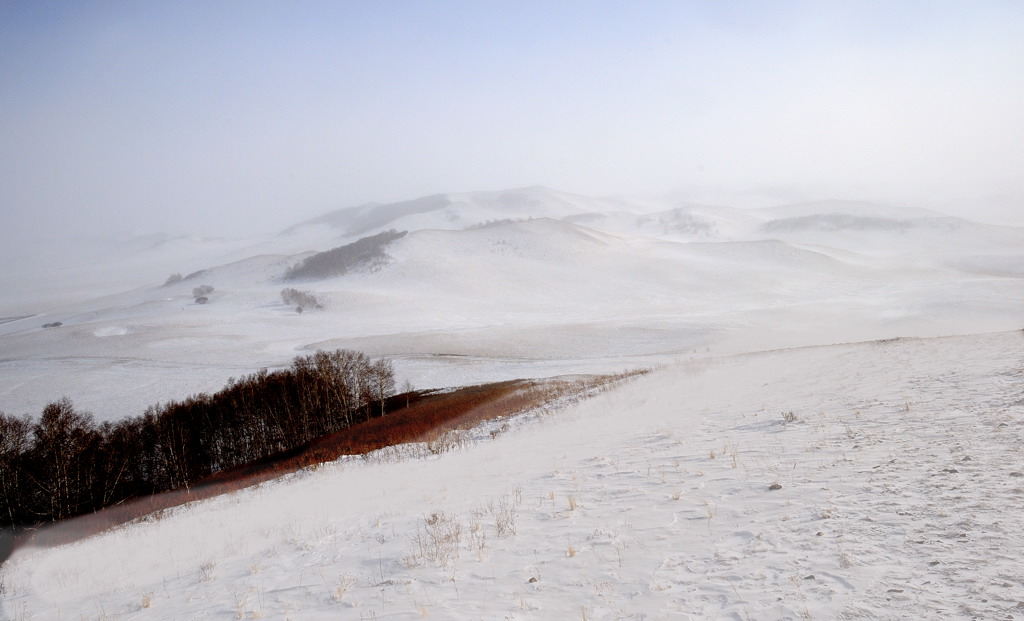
(338, 261)
(300, 299)
(64, 464)
(201, 293)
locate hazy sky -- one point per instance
(239, 117)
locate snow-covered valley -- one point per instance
(831, 429)
(494, 285)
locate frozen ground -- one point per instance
(899, 473)
(897, 462)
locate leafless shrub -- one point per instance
(436, 541)
(343, 586)
(448, 441)
(241, 602)
(506, 513)
(173, 279)
(478, 538)
(206, 571)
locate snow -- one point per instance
(651, 500)
(487, 284)
(899, 471)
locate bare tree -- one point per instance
(64, 446)
(383, 378)
(301, 299)
(407, 390)
(202, 293)
(14, 445)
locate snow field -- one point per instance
(898, 464)
(498, 285)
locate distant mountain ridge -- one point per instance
(693, 222)
(456, 211)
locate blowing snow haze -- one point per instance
(138, 141)
(237, 118)
(460, 288)
(803, 220)
(770, 466)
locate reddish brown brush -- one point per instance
(410, 417)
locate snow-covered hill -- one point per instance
(492, 285)
(897, 460)
(867, 480)
(457, 211)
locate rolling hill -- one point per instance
(831, 429)
(493, 285)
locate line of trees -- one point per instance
(65, 464)
(337, 261)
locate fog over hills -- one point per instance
(457, 211)
(489, 285)
(788, 457)
(803, 222)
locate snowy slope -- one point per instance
(898, 468)
(899, 472)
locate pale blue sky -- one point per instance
(240, 117)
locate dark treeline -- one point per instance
(65, 464)
(337, 261)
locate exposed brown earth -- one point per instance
(411, 417)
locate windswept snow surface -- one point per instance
(898, 461)
(896, 467)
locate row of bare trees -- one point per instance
(300, 299)
(65, 464)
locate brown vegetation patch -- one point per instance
(409, 417)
